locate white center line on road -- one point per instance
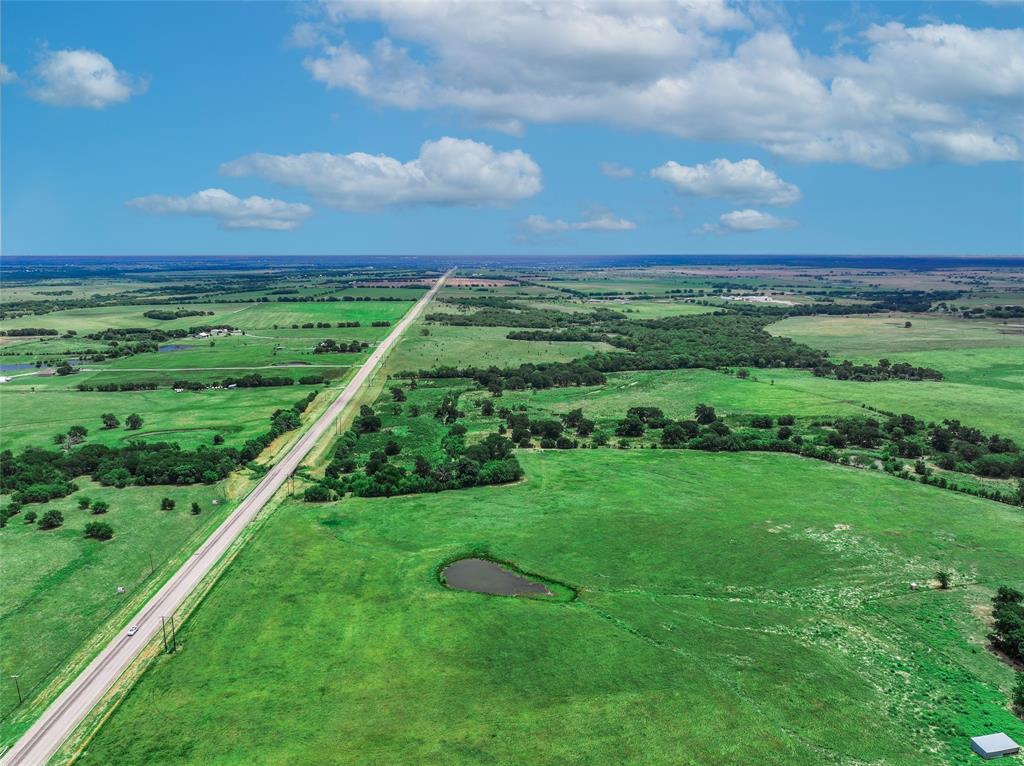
(61, 718)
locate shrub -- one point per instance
(195, 509)
(30, 517)
(100, 506)
(98, 530)
(167, 504)
(51, 520)
(318, 493)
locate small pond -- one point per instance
(483, 576)
(173, 347)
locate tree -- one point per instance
(30, 517)
(77, 433)
(133, 422)
(631, 425)
(705, 414)
(397, 394)
(908, 324)
(83, 503)
(944, 579)
(100, 506)
(422, 468)
(167, 504)
(110, 420)
(391, 448)
(98, 530)
(487, 408)
(318, 493)
(51, 520)
(743, 373)
(195, 509)
(1018, 691)
(218, 438)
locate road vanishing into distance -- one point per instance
(59, 720)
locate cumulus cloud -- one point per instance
(614, 170)
(448, 171)
(968, 147)
(82, 78)
(700, 70)
(745, 181)
(746, 221)
(7, 75)
(231, 212)
(541, 225)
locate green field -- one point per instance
(478, 346)
(189, 418)
(58, 588)
(731, 611)
(780, 392)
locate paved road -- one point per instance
(41, 741)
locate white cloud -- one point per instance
(539, 224)
(968, 147)
(230, 211)
(614, 170)
(747, 181)
(746, 221)
(448, 171)
(82, 78)
(670, 67)
(7, 75)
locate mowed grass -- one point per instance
(732, 609)
(58, 587)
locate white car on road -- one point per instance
(133, 630)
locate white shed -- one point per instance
(994, 746)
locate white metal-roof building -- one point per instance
(994, 746)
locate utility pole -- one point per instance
(18, 687)
(174, 635)
(163, 629)
(152, 569)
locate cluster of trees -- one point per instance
(331, 346)
(1008, 623)
(884, 370)
(251, 380)
(122, 386)
(19, 332)
(488, 462)
(951, 445)
(996, 312)
(381, 322)
(500, 312)
(164, 315)
(715, 340)
(536, 376)
(551, 433)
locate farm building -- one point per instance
(994, 746)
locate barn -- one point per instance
(994, 746)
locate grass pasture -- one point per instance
(477, 346)
(729, 611)
(59, 588)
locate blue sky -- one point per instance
(277, 128)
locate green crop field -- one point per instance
(735, 611)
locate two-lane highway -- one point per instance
(43, 739)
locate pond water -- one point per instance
(12, 367)
(483, 576)
(173, 347)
